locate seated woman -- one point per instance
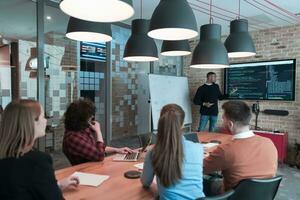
(26, 174)
(176, 162)
(83, 141)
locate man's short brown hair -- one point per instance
(238, 112)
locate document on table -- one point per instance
(210, 145)
(90, 179)
(139, 165)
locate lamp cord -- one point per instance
(239, 10)
(210, 8)
(141, 9)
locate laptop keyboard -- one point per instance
(131, 156)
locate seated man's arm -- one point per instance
(216, 161)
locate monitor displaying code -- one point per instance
(270, 80)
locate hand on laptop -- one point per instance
(124, 150)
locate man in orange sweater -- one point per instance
(247, 155)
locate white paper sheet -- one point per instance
(139, 165)
(90, 179)
(210, 145)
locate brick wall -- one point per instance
(288, 47)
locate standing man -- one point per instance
(207, 97)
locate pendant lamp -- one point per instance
(140, 47)
(175, 48)
(98, 10)
(210, 52)
(173, 20)
(239, 43)
(87, 31)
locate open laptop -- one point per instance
(133, 157)
(193, 137)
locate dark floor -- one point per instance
(289, 188)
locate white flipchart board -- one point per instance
(169, 89)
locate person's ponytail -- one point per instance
(167, 155)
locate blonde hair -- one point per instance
(167, 155)
(16, 130)
(34, 105)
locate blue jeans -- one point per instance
(204, 120)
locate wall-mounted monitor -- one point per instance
(267, 80)
(93, 51)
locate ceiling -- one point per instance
(18, 17)
(260, 18)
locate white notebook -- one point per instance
(90, 179)
(139, 165)
(210, 145)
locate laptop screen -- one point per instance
(193, 137)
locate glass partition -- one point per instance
(17, 38)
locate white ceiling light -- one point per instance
(98, 10)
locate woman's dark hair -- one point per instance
(209, 74)
(78, 114)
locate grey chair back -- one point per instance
(224, 196)
(258, 189)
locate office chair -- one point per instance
(258, 189)
(224, 196)
(144, 139)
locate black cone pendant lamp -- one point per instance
(87, 31)
(239, 43)
(98, 10)
(173, 20)
(140, 47)
(210, 51)
(175, 48)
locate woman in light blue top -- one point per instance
(176, 162)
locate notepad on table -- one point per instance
(210, 145)
(139, 165)
(90, 179)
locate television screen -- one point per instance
(268, 80)
(93, 51)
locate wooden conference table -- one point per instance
(117, 186)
